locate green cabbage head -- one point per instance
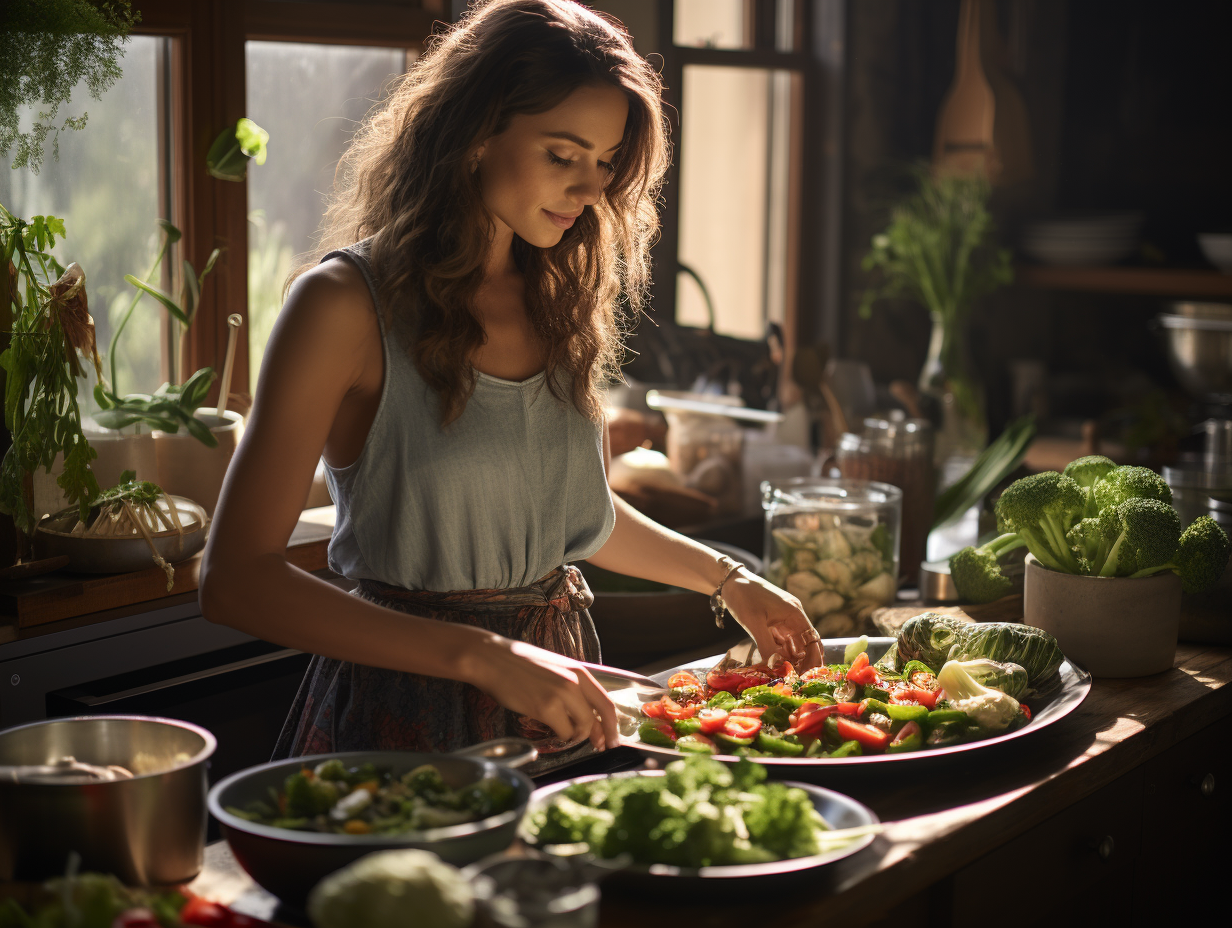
(390, 889)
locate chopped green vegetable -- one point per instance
(855, 648)
(977, 572)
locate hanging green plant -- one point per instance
(51, 326)
(228, 157)
(48, 47)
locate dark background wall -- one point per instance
(1128, 102)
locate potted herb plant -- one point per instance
(939, 250)
(1107, 565)
(49, 328)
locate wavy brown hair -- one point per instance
(406, 181)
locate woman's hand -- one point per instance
(549, 687)
(774, 618)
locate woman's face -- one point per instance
(539, 174)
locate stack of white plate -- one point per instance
(1082, 239)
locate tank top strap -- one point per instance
(360, 254)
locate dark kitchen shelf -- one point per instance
(1149, 281)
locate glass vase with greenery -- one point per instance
(939, 249)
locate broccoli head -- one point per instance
(308, 795)
(1147, 534)
(1042, 509)
(1127, 482)
(1085, 471)
(1201, 556)
(977, 571)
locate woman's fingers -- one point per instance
(601, 704)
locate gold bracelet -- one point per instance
(717, 606)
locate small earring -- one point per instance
(475, 164)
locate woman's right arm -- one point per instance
(315, 356)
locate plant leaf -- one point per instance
(168, 303)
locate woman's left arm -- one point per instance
(640, 547)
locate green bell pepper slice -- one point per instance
(848, 749)
(942, 716)
(686, 727)
(894, 711)
(816, 688)
(780, 746)
(650, 733)
(909, 738)
(696, 744)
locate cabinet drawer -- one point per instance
(1078, 866)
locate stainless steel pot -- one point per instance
(290, 863)
(147, 830)
(1199, 339)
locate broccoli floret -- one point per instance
(308, 796)
(1147, 535)
(977, 571)
(785, 821)
(1042, 509)
(425, 779)
(1201, 556)
(332, 769)
(1089, 543)
(988, 709)
(1122, 483)
(1085, 471)
(685, 779)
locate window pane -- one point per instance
(310, 98)
(734, 138)
(105, 186)
(712, 23)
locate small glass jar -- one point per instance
(534, 891)
(833, 544)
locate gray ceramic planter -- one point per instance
(1112, 626)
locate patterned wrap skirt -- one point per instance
(343, 706)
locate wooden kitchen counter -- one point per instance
(1102, 817)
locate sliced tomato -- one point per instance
(783, 689)
(1025, 710)
(741, 726)
(654, 709)
(135, 918)
(681, 679)
(750, 712)
(867, 735)
(822, 673)
(863, 673)
(711, 719)
(737, 680)
(200, 912)
(676, 711)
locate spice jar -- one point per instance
(897, 451)
(833, 544)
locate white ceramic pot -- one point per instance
(188, 468)
(129, 448)
(1112, 626)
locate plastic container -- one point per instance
(833, 543)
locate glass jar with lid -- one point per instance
(833, 543)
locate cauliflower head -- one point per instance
(379, 890)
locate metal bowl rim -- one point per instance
(1069, 673)
(211, 744)
(318, 839)
(733, 871)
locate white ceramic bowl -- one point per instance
(1217, 246)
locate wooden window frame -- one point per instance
(814, 266)
(207, 92)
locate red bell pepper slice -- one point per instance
(1025, 710)
(741, 726)
(751, 712)
(861, 672)
(712, 720)
(821, 672)
(868, 736)
(783, 689)
(908, 693)
(809, 718)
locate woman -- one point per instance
(448, 367)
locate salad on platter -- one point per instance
(943, 682)
(696, 813)
(331, 798)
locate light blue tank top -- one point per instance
(508, 491)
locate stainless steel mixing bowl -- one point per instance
(147, 830)
(1199, 338)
